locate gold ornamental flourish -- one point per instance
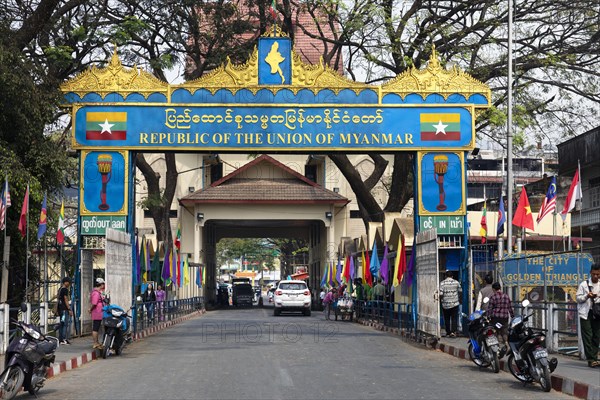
(435, 79)
(115, 78)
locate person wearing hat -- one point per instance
(64, 311)
(96, 304)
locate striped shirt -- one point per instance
(450, 290)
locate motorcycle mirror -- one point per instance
(486, 300)
(525, 303)
(23, 307)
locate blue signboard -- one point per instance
(104, 183)
(556, 270)
(274, 127)
(441, 184)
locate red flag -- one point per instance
(368, 276)
(574, 195)
(24, 211)
(347, 270)
(523, 216)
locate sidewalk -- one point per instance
(572, 376)
(80, 350)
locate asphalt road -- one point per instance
(250, 354)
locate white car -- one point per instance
(292, 296)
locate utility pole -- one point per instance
(509, 139)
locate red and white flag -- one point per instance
(24, 212)
(574, 195)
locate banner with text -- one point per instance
(555, 269)
(291, 127)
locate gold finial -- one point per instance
(434, 62)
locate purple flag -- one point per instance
(338, 272)
(411, 266)
(166, 270)
(352, 268)
(384, 270)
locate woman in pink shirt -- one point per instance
(96, 304)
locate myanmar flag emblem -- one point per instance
(435, 127)
(106, 126)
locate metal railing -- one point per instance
(391, 314)
(141, 313)
(147, 314)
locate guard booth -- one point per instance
(275, 103)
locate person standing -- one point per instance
(150, 300)
(486, 291)
(500, 309)
(588, 293)
(64, 311)
(161, 296)
(321, 297)
(96, 305)
(450, 292)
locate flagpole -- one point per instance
(580, 208)
(27, 248)
(509, 136)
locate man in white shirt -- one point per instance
(587, 294)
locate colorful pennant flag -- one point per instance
(178, 237)
(138, 260)
(410, 268)
(166, 268)
(43, 220)
(523, 216)
(325, 275)
(367, 264)
(401, 259)
(483, 229)
(501, 217)
(352, 269)
(574, 195)
(375, 265)
(186, 271)
(346, 273)
(384, 271)
(549, 203)
(273, 10)
(24, 212)
(445, 126)
(60, 230)
(4, 204)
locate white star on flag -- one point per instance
(440, 128)
(106, 127)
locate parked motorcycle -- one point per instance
(27, 359)
(484, 349)
(117, 330)
(528, 358)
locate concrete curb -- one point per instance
(559, 383)
(91, 355)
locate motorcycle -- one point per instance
(117, 330)
(27, 360)
(484, 349)
(528, 358)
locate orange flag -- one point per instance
(523, 216)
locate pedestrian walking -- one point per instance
(64, 311)
(450, 296)
(486, 291)
(499, 310)
(588, 297)
(322, 296)
(149, 298)
(161, 296)
(96, 305)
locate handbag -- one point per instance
(595, 306)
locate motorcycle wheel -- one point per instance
(545, 379)
(495, 362)
(106, 345)
(11, 382)
(478, 361)
(515, 371)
